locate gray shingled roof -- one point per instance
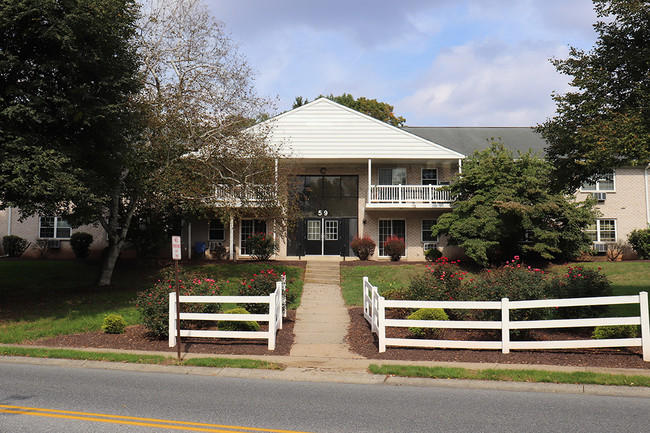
(468, 139)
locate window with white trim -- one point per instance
(53, 228)
(248, 228)
(389, 228)
(217, 230)
(429, 176)
(602, 230)
(605, 184)
(426, 231)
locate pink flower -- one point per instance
(516, 257)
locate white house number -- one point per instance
(322, 212)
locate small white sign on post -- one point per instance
(176, 247)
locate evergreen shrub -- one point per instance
(80, 243)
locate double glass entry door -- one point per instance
(323, 236)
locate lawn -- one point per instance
(627, 278)
(46, 298)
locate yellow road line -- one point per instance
(127, 420)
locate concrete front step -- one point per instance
(331, 350)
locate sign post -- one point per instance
(176, 255)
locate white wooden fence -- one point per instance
(274, 316)
(374, 310)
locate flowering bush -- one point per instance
(363, 247)
(260, 284)
(441, 281)
(153, 303)
(394, 247)
(578, 282)
(514, 281)
(261, 246)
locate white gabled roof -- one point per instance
(324, 129)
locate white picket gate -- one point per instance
(274, 316)
(375, 312)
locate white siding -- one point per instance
(324, 129)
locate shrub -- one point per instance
(640, 241)
(114, 324)
(228, 325)
(440, 282)
(614, 331)
(363, 247)
(14, 246)
(261, 246)
(80, 243)
(579, 282)
(397, 294)
(394, 248)
(260, 284)
(432, 254)
(42, 248)
(153, 303)
(428, 314)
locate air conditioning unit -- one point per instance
(53, 244)
(212, 245)
(429, 245)
(600, 196)
(600, 248)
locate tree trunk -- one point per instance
(112, 253)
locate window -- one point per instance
(602, 230)
(429, 176)
(248, 227)
(313, 230)
(390, 228)
(53, 228)
(217, 230)
(392, 176)
(426, 231)
(331, 230)
(604, 183)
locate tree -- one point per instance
(605, 122)
(373, 108)
(129, 117)
(504, 207)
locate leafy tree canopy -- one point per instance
(504, 208)
(373, 108)
(605, 122)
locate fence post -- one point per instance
(364, 291)
(172, 319)
(272, 321)
(381, 324)
(645, 325)
(284, 295)
(505, 325)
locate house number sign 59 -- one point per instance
(322, 212)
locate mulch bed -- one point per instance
(138, 338)
(364, 343)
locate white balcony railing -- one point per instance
(236, 196)
(409, 194)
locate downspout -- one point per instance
(232, 242)
(9, 222)
(189, 240)
(460, 166)
(369, 180)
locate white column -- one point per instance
(369, 179)
(230, 249)
(189, 240)
(460, 166)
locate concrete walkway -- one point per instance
(322, 319)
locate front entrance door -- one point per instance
(323, 236)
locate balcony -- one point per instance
(239, 196)
(408, 197)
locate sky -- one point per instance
(438, 62)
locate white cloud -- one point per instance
(487, 84)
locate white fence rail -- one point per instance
(374, 309)
(409, 194)
(274, 316)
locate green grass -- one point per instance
(137, 359)
(47, 298)
(534, 376)
(383, 277)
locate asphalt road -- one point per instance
(37, 398)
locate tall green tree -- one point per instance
(504, 207)
(373, 108)
(605, 122)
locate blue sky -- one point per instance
(439, 62)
